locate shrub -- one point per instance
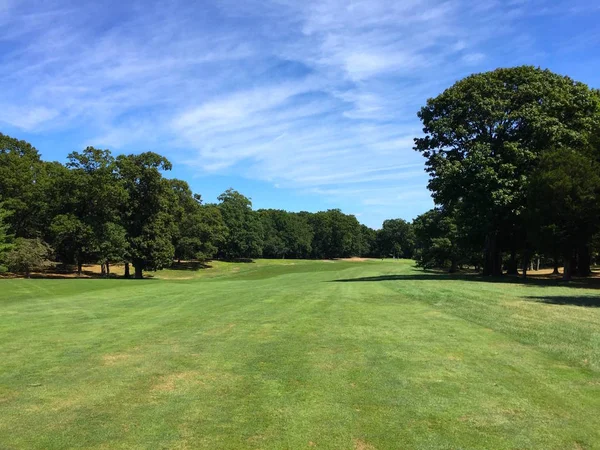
(28, 255)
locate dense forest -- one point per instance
(514, 162)
(98, 208)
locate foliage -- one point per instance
(336, 235)
(396, 239)
(73, 240)
(436, 236)
(565, 199)
(22, 177)
(5, 238)
(485, 133)
(146, 214)
(287, 235)
(244, 237)
(483, 140)
(28, 255)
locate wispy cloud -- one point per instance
(318, 96)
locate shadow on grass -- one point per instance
(190, 265)
(586, 283)
(238, 260)
(585, 301)
(85, 275)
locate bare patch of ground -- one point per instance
(359, 444)
(112, 359)
(169, 383)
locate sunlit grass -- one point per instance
(282, 354)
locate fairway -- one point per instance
(299, 354)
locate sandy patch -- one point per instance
(359, 444)
(115, 358)
(169, 383)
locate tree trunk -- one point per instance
(493, 257)
(127, 274)
(526, 263)
(107, 269)
(138, 272)
(555, 271)
(584, 262)
(78, 268)
(453, 266)
(103, 270)
(568, 270)
(512, 264)
(497, 272)
(537, 265)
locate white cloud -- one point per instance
(25, 118)
(309, 95)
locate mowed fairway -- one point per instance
(325, 355)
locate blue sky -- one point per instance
(301, 105)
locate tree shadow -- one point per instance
(190, 265)
(238, 260)
(585, 301)
(584, 283)
(85, 275)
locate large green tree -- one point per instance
(146, 214)
(21, 185)
(85, 198)
(336, 235)
(244, 231)
(286, 234)
(483, 138)
(437, 240)
(73, 240)
(396, 238)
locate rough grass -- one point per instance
(299, 354)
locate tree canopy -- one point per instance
(484, 138)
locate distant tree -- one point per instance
(437, 240)
(185, 211)
(483, 137)
(202, 234)
(112, 245)
(336, 235)
(146, 214)
(21, 185)
(5, 238)
(244, 231)
(286, 235)
(368, 242)
(73, 240)
(396, 238)
(28, 255)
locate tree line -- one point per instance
(102, 209)
(514, 162)
(513, 157)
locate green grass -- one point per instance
(281, 354)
